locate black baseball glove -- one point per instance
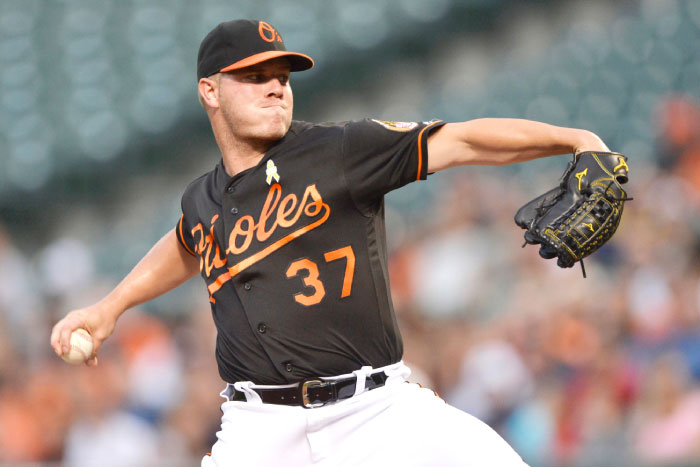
(576, 218)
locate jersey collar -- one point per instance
(224, 180)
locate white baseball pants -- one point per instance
(397, 424)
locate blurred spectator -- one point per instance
(104, 432)
(679, 127)
(154, 380)
(19, 301)
(65, 265)
(493, 380)
(667, 418)
(531, 427)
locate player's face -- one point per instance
(257, 101)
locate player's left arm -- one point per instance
(503, 141)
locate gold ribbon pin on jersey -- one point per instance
(271, 172)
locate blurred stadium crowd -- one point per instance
(572, 372)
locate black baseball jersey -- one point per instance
(293, 250)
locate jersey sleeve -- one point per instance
(380, 156)
(184, 235)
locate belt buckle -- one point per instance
(311, 383)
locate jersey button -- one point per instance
(262, 328)
(234, 211)
(230, 189)
(247, 286)
(288, 367)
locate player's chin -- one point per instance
(277, 116)
(276, 129)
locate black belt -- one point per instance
(310, 393)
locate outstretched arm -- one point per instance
(165, 266)
(502, 141)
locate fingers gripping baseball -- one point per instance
(94, 319)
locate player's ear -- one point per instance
(208, 90)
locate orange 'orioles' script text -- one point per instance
(276, 211)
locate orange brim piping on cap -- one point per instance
(269, 55)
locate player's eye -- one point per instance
(260, 78)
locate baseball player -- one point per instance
(287, 232)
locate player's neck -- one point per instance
(241, 155)
(239, 152)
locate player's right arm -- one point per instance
(166, 266)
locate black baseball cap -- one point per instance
(241, 43)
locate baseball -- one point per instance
(80, 347)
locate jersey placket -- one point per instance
(235, 204)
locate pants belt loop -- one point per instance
(246, 388)
(227, 392)
(361, 376)
(397, 370)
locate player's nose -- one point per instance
(274, 88)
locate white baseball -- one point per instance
(80, 347)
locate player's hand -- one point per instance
(589, 141)
(97, 319)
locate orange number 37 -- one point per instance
(312, 280)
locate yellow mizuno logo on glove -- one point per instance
(580, 176)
